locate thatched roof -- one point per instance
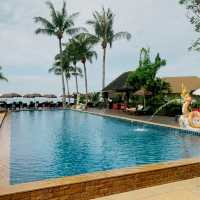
(33, 95)
(10, 95)
(190, 82)
(49, 96)
(119, 84)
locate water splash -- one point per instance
(177, 100)
(140, 129)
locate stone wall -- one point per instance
(101, 184)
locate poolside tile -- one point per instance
(183, 190)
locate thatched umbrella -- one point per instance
(33, 95)
(143, 92)
(67, 96)
(50, 96)
(10, 95)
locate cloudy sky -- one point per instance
(158, 24)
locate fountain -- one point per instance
(189, 119)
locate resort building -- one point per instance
(120, 84)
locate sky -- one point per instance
(158, 24)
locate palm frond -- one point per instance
(64, 13)
(73, 31)
(53, 12)
(74, 15)
(46, 23)
(44, 31)
(2, 77)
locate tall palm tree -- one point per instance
(71, 50)
(84, 43)
(102, 24)
(2, 77)
(63, 67)
(61, 22)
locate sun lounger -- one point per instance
(130, 110)
(145, 111)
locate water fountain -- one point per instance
(189, 119)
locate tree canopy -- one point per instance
(145, 75)
(193, 7)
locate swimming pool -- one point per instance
(51, 144)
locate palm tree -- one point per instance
(102, 24)
(74, 57)
(2, 77)
(84, 43)
(65, 68)
(60, 23)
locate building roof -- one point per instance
(190, 82)
(119, 84)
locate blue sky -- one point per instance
(160, 25)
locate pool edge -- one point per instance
(105, 183)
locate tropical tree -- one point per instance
(61, 23)
(2, 77)
(72, 52)
(63, 67)
(84, 43)
(102, 24)
(193, 7)
(145, 76)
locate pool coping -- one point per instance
(168, 171)
(146, 171)
(115, 116)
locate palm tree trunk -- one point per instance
(104, 69)
(76, 79)
(86, 84)
(62, 73)
(68, 92)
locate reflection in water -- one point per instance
(51, 144)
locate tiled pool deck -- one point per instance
(165, 120)
(182, 190)
(5, 151)
(90, 186)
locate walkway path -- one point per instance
(183, 190)
(5, 151)
(157, 119)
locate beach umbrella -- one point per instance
(142, 92)
(68, 96)
(33, 95)
(10, 95)
(50, 96)
(196, 92)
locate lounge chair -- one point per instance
(131, 110)
(145, 111)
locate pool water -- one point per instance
(51, 144)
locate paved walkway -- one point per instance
(183, 190)
(157, 119)
(5, 151)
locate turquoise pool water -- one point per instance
(51, 144)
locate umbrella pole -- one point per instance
(144, 102)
